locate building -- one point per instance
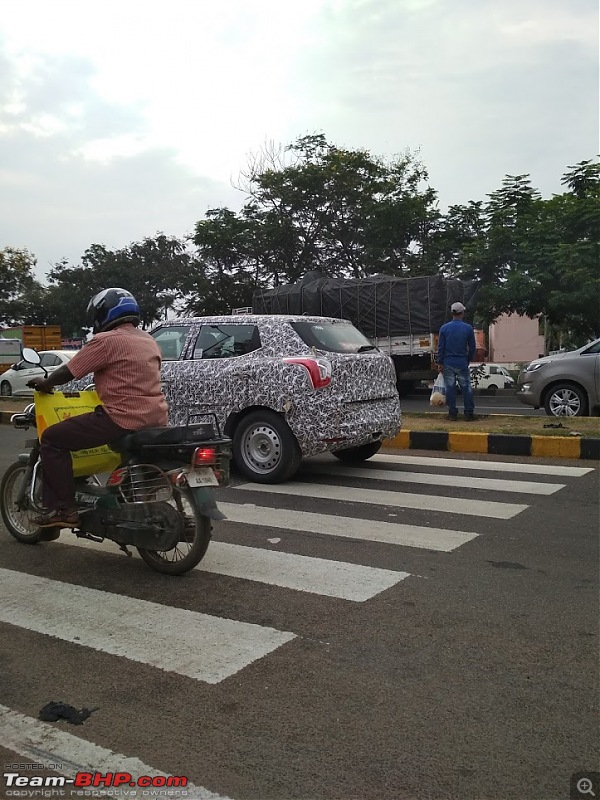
(514, 339)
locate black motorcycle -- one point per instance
(158, 500)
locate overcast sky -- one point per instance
(119, 119)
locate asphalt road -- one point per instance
(489, 404)
(451, 654)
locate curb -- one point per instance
(490, 443)
(497, 444)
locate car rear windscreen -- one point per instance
(335, 338)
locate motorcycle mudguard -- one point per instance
(205, 502)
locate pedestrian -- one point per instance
(456, 349)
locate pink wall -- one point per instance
(513, 338)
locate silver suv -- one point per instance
(282, 387)
(565, 384)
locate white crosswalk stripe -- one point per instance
(161, 636)
(482, 466)
(431, 479)
(425, 502)
(68, 755)
(287, 570)
(329, 525)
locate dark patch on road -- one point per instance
(507, 564)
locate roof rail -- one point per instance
(245, 310)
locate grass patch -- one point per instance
(504, 423)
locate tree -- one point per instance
(313, 206)
(153, 270)
(532, 256)
(17, 282)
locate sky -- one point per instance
(122, 119)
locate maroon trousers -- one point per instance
(57, 442)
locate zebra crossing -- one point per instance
(210, 649)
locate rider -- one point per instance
(126, 363)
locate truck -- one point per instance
(400, 316)
(40, 337)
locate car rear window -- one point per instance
(335, 338)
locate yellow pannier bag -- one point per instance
(56, 407)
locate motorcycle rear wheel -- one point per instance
(190, 550)
(18, 522)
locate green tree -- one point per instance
(314, 206)
(17, 283)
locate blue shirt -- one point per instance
(456, 346)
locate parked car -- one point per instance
(14, 380)
(565, 384)
(491, 376)
(282, 387)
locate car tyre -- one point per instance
(566, 400)
(265, 449)
(5, 389)
(361, 453)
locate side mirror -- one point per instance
(31, 356)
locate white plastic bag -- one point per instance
(438, 393)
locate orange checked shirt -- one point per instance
(126, 366)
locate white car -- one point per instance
(491, 376)
(14, 380)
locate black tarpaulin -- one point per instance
(379, 306)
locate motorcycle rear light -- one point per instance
(116, 477)
(204, 456)
(319, 370)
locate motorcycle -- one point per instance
(157, 499)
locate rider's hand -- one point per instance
(440, 367)
(40, 385)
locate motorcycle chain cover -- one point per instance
(150, 526)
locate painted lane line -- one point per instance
(40, 742)
(200, 646)
(461, 481)
(364, 530)
(490, 466)
(425, 502)
(287, 570)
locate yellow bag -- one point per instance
(56, 407)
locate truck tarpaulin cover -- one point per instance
(379, 306)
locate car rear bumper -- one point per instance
(351, 425)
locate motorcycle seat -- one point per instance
(176, 434)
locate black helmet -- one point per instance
(112, 307)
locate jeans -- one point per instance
(460, 374)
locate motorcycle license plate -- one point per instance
(202, 477)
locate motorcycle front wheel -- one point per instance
(193, 542)
(17, 521)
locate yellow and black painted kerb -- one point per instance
(497, 444)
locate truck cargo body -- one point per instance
(39, 337)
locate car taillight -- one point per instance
(319, 370)
(204, 456)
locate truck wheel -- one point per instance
(492, 388)
(5, 389)
(264, 448)
(360, 453)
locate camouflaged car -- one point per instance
(282, 387)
